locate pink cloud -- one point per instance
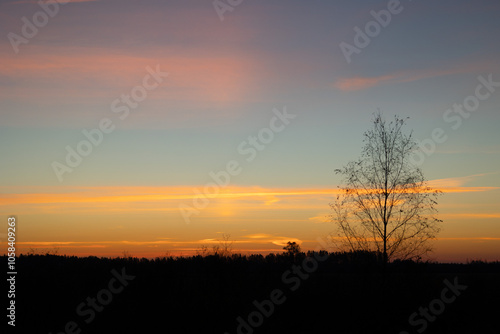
(359, 83)
(213, 79)
(349, 84)
(36, 1)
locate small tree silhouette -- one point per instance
(126, 255)
(203, 251)
(292, 248)
(224, 249)
(226, 246)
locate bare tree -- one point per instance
(386, 204)
(203, 251)
(224, 249)
(126, 255)
(226, 246)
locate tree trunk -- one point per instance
(385, 245)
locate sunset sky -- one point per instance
(264, 91)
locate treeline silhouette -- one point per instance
(345, 293)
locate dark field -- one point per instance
(337, 293)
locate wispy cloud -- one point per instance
(348, 84)
(319, 219)
(359, 83)
(258, 236)
(77, 72)
(459, 182)
(471, 239)
(66, 197)
(36, 1)
(149, 194)
(471, 215)
(262, 240)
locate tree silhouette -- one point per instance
(292, 248)
(386, 204)
(224, 249)
(226, 246)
